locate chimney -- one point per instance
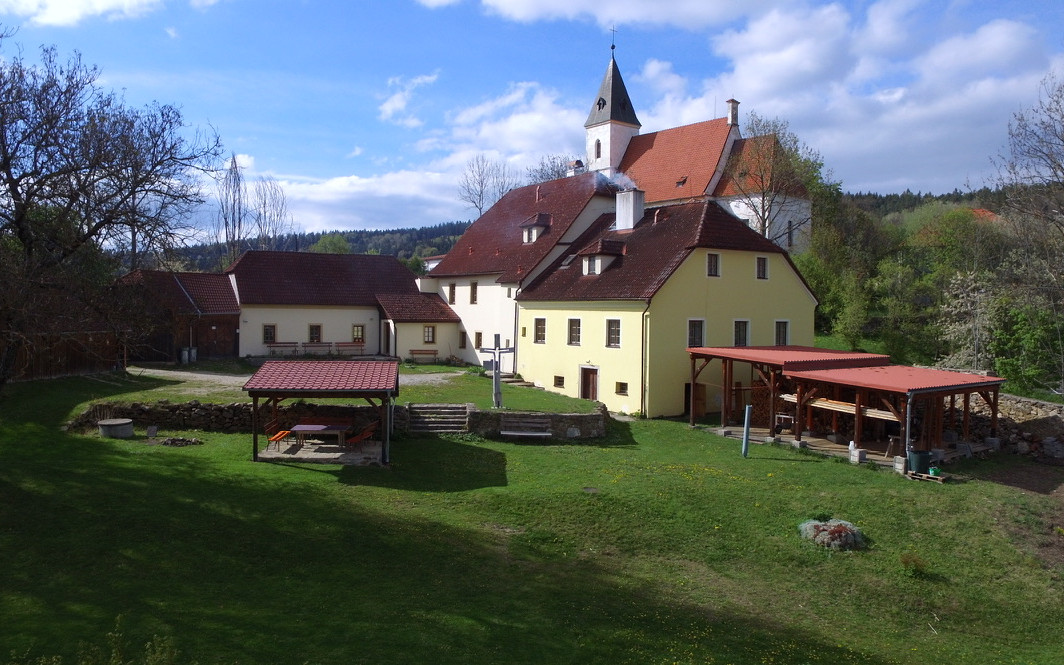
(733, 113)
(630, 206)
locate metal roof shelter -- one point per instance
(864, 385)
(359, 379)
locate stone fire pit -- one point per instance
(116, 428)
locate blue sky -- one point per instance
(368, 111)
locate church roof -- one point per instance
(652, 251)
(612, 102)
(678, 163)
(494, 243)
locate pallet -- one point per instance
(912, 475)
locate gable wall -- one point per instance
(797, 211)
(735, 294)
(541, 362)
(492, 314)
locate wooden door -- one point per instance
(589, 383)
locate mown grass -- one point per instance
(657, 544)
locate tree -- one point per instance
(331, 243)
(550, 167)
(85, 179)
(232, 211)
(484, 182)
(772, 174)
(1032, 175)
(270, 213)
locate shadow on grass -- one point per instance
(50, 401)
(251, 563)
(429, 463)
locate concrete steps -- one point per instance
(439, 418)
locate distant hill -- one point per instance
(881, 205)
(401, 243)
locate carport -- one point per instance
(375, 381)
(862, 385)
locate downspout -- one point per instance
(643, 363)
(515, 345)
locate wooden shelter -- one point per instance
(376, 382)
(863, 385)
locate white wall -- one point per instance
(784, 210)
(293, 324)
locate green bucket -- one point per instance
(919, 461)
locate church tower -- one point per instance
(611, 124)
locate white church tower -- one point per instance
(610, 125)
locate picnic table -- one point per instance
(303, 430)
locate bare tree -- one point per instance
(771, 175)
(85, 179)
(550, 167)
(484, 182)
(232, 211)
(1031, 173)
(270, 213)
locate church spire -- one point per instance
(612, 103)
(611, 124)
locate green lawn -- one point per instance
(658, 544)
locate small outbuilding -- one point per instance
(375, 381)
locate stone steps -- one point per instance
(439, 418)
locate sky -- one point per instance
(367, 111)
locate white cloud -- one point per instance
(394, 108)
(172, 33)
(686, 14)
(391, 200)
(71, 12)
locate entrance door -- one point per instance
(589, 383)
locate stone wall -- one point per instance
(1027, 426)
(562, 425)
(229, 418)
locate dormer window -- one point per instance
(531, 234)
(591, 265)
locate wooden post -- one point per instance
(691, 396)
(799, 394)
(254, 429)
(857, 420)
(967, 415)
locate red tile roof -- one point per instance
(340, 376)
(862, 370)
(494, 243)
(307, 278)
(753, 162)
(678, 163)
(900, 378)
(212, 293)
(793, 357)
(427, 307)
(188, 292)
(652, 251)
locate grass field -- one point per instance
(658, 544)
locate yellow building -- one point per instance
(611, 320)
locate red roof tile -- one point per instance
(653, 250)
(427, 307)
(307, 278)
(494, 243)
(212, 293)
(899, 378)
(751, 172)
(293, 376)
(863, 370)
(188, 292)
(677, 163)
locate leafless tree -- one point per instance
(770, 173)
(85, 179)
(270, 213)
(232, 211)
(484, 182)
(550, 167)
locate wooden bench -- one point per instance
(362, 434)
(317, 347)
(278, 438)
(424, 353)
(525, 425)
(350, 348)
(280, 347)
